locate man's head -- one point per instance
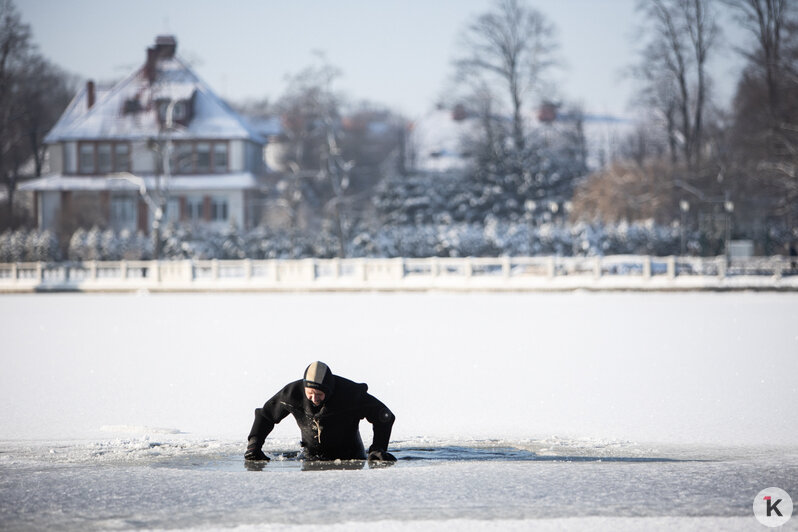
(319, 382)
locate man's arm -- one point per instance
(272, 413)
(382, 420)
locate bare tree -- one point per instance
(673, 70)
(33, 93)
(48, 90)
(766, 20)
(765, 134)
(311, 114)
(15, 48)
(513, 44)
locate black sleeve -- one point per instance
(272, 413)
(381, 418)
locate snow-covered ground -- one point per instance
(553, 411)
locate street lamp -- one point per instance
(728, 206)
(684, 207)
(529, 208)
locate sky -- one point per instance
(394, 52)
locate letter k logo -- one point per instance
(772, 507)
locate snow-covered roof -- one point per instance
(174, 80)
(232, 181)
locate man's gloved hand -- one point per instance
(381, 456)
(254, 452)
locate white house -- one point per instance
(110, 141)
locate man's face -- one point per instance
(314, 396)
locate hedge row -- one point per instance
(493, 238)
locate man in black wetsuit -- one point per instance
(328, 410)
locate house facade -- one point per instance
(159, 137)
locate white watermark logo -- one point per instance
(773, 507)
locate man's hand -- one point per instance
(254, 452)
(381, 456)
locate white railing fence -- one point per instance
(399, 273)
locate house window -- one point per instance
(121, 157)
(220, 157)
(172, 212)
(123, 212)
(179, 111)
(194, 209)
(203, 157)
(185, 158)
(103, 157)
(218, 209)
(86, 159)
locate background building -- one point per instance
(160, 137)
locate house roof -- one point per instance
(168, 78)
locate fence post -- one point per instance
(597, 267)
(155, 271)
(551, 268)
(647, 267)
(468, 267)
(274, 270)
(721, 262)
(506, 269)
(671, 267)
(39, 272)
(360, 268)
(215, 269)
(123, 269)
(188, 271)
(399, 268)
(434, 268)
(310, 266)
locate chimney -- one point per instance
(90, 94)
(149, 66)
(165, 46)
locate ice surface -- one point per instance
(692, 368)
(514, 411)
(206, 485)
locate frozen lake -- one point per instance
(558, 411)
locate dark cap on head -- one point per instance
(319, 376)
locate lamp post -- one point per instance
(728, 206)
(684, 207)
(529, 211)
